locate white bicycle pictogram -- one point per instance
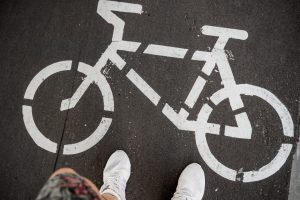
(200, 126)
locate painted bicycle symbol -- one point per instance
(201, 127)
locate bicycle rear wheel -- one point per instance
(232, 174)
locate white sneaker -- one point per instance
(116, 174)
(191, 183)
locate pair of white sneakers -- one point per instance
(190, 186)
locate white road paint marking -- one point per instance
(210, 62)
(201, 127)
(70, 103)
(195, 92)
(179, 119)
(124, 46)
(209, 158)
(227, 77)
(44, 74)
(203, 56)
(243, 130)
(91, 141)
(200, 82)
(281, 110)
(160, 50)
(294, 191)
(272, 167)
(35, 133)
(105, 9)
(139, 82)
(116, 59)
(265, 171)
(102, 84)
(93, 77)
(203, 116)
(31, 127)
(224, 32)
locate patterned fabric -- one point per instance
(67, 187)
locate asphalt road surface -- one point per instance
(35, 130)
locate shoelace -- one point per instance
(182, 195)
(116, 182)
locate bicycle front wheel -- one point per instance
(75, 148)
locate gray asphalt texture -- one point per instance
(35, 34)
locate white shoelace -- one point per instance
(115, 183)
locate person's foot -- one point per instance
(191, 183)
(116, 174)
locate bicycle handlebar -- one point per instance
(105, 9)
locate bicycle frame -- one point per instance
(216, 57)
